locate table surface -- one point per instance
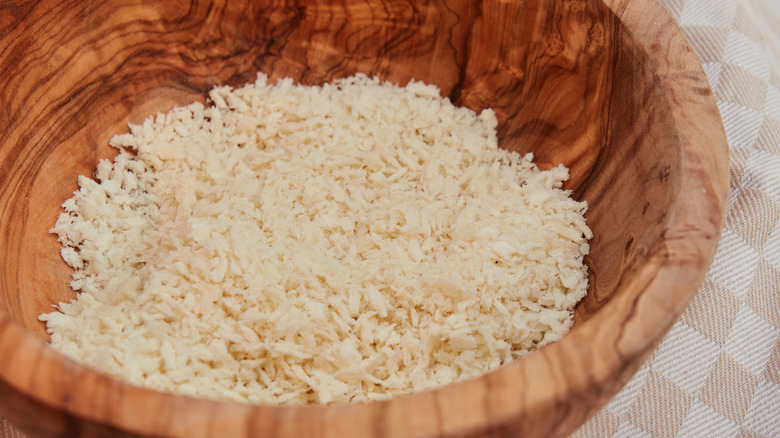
(717, 372)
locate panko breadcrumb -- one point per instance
(292, 244)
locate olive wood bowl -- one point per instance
(609, 88)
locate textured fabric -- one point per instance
(717, 372)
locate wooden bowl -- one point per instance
(609, 88)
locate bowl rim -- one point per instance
(662, 288)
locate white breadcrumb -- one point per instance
(292, 245)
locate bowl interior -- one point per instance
(560, 85)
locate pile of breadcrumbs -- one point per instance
(294, 244)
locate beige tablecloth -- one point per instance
(717, 373)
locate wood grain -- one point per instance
(592, 84)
